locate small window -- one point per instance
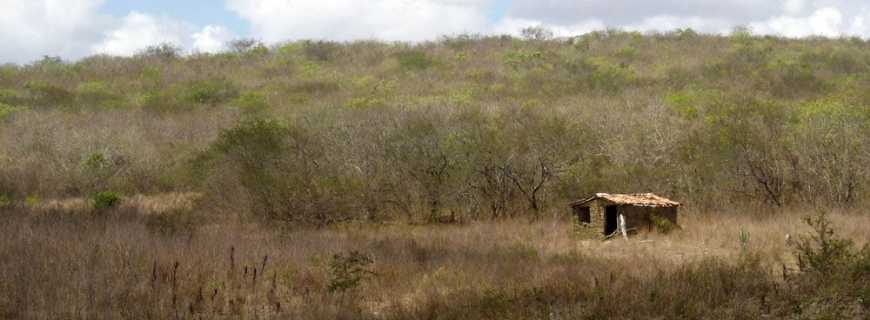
(583, 215)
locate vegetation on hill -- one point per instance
(468, 127)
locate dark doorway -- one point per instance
(583, 214)
(610, 214)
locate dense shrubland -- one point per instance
(465, 128)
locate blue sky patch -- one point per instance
(200, 13)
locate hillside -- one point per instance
(479, 127)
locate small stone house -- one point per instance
(598, 216)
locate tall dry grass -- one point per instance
(58, 266)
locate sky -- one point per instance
(72, 29)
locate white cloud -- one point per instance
(211, 39)
(403, 20)
(824, 22)
(138, 31)
(627, 12)
(66, 28)
(860, 24)
(75, 28)
(794, 7)
(668, 23)
(790, 18)
(511, 25)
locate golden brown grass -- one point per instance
(139, 203)
(114, 267)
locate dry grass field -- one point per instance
(120, 266)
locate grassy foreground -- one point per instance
(725, 266)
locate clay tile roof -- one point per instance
(635, 199)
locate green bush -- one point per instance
(610, 77)
(258, 51)
(793, 79)
(6, 111)
(365, 102)
(97, 161)
(414, 60)
(11, 97)
(663, 225)
(8, 71)
(279, 172)
(523, 59)
(822, 251)
(251, 102)
(834, 282)
(628, 53)
(106, 200)
(252, 149)
(5, 200)
(211, 91)
(839, 60)
(156, 101)
(260, 139)
(44, 94)
(151, 76)
(55, 66)
(683, 103)
(741, 34)
(287, 52)
(97, 94)
(96, 170)
(691, 102)
(32, 201)
(347, 271)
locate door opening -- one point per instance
(610, 219)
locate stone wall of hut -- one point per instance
(595, 227)
(637, 218)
